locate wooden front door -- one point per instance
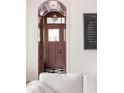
(55, 48)
(52, 43)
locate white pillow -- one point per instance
(38, 87)
(63, 83)
(35, 90)
(90, 82)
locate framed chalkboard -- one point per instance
(90, 31)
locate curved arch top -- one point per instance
(52, 5)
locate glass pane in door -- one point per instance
(53, 34)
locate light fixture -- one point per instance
(54, 18)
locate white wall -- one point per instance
(81, 60)
(78, 60)
(31, 41)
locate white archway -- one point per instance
(64, 2)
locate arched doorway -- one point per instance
(52, 41)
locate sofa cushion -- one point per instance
(63, 83)
(89, 83)
(37, 87)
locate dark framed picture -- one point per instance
(90, 30)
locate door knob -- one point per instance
(60, 51)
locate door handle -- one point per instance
(60, 51)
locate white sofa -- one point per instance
(64, 83)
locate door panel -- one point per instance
(56, 55)
(60, 54)
(51, 54)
